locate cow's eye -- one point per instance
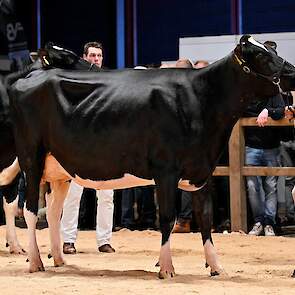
(261, 57)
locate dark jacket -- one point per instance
(264, 137)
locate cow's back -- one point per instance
(128, 117)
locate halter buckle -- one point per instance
(276, 80)
(246, 69)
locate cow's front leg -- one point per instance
(166, 192)
(54, 209)
(34, 255)
(10, 210)
(202, 206)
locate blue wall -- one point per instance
(160, 24)
(268, 16)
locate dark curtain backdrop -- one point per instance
(160, 24)
(268, 16)
(73, 23)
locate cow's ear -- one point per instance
(49, 45)
(244, 39)
(44, 57)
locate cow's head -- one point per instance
(53, 56)
(263, 62)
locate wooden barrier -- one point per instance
(236, 171)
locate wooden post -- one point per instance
(238, 205)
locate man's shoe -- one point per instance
(256, 230)
(69, 248)
(182, 227)
(268, 231)
(106, 248)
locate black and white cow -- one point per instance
(50, 57)
(118, 129)
(8, 177)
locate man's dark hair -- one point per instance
(92, 44)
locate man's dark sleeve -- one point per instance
(276, 107)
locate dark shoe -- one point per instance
(69, 248)
(182, 227)
(106, 248)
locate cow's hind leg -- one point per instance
(10, 210)
(33, 167)
(202, 206)
(166, 194)
(54, 209)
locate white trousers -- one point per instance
(104, 215)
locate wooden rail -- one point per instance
(236, 171)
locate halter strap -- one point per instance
(275, 78)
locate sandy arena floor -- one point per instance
(253, 265)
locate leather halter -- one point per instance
(274, 78)
(46, 63)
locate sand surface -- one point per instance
(253, 265)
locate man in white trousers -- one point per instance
(104, 219)
(93, 53)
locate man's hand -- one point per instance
(262, 118)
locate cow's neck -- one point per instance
(229, 91)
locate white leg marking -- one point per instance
(293, 192)
(54, 210)
(8, 174)
(211, 257)
(166, 266)
(10, 210)
(42, 202)
(34, 255)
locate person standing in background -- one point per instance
(93, 53)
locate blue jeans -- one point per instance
(127, 214)
(262, 190)
(146, 207)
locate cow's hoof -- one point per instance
(214, 273)
(17, 250)
(59, 263)
(166, 274)
(293, 274)
(36, 268)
